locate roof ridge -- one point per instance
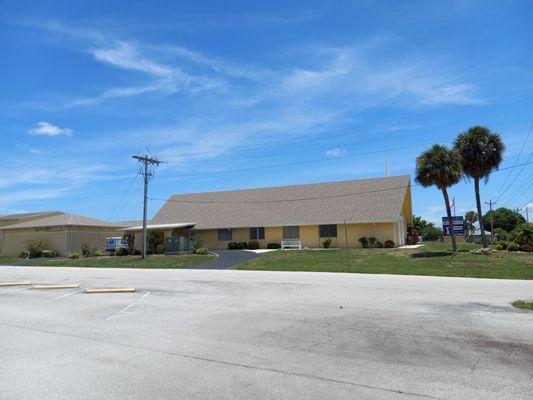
(383, 178)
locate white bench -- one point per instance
(291, 244)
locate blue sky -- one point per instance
(239, 94)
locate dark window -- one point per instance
(257, 233)
(225, 234)
(327, 231)
(291, 232)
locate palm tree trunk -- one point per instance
(450, 221)
(480, 214)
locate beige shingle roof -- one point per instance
(61, 220)
(28, 215)
(356, 201)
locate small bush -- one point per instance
(237, 245)
(24, 254)
(160, 249)
(504, 244)
(526, 247)
(201, 251)
(137, 252)
(49, 253)
(513, 247)
(98, 253)
(364, 242)
(73, 255)
(34, 248)
(327, 243)
(379, 245)
(273, 246)
(87, 250)
(121, 252)
(389, 244)
(499, 247)
(372, 241)
(253, 244)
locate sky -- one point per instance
(240, 94)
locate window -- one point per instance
(328, 231)
(257, 233)
(225, 234)
(291, 232)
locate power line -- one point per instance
(302, 198)
(284, 200)
(123, 197)
(502, 190)
(292, 163)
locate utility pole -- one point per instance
(146, 162)
(491, 203)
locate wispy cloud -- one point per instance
(35, 151)
(47, 129)
(336, 152)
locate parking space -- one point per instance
(196, 334)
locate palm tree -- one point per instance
(441, 167)
(470, 220)
(481, 152)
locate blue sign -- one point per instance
(458, 226)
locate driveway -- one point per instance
(227, 259)
(232, 335)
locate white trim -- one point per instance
(159, 226)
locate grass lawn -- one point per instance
(430, 259)
(7, 260)
(526, 305)
(154, 261)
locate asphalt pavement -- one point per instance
(209, 334)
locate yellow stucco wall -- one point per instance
(309, 235)
(60, 239)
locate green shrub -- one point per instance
(160, 249)
(49, 253)
(503, 244)
(237, 245)
(155, 239)
(197, 241)
(34, 248)
(73, 255)
(372, 241)
(364, 242)
(327, 243)
(121, 252)
(253, 245)
(513, 246)
(87, 250)
(98, 253)
(389, 244)
(379, 245)
(24, 254)
(273, 246)
(201, 251)
(499, 247)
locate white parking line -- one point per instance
(64, 295)
(128, 306)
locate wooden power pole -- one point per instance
(146, 162)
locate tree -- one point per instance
(481, 152)
(419, 223)
(503, 218)
(470, 220)
(523, 235)
(441, 167)
(431, 233)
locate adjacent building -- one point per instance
(342, 211)
(57, 231)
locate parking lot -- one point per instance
(200, 334)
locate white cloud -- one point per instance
(35, 151)
(336, 152)
(47, 129)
